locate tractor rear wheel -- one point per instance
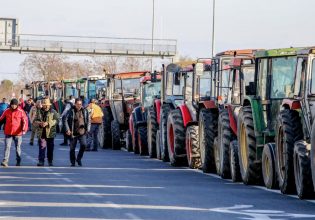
(234, 162)
(152, 127)
(165, 110)
(129, 141)
(302, 171)
(207, 132)
(108, 118)
(158, 145)
(142, 141)
(288, 131)
(176, 138)
(269, 167)
(116, 145)
(225, 136)
(192, 147)
(249, 167)
(135, 143)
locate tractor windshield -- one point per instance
(249, 78)
(91, 90)
(70, 89)
(204, 86)
(127, 86)
(150, 91)
(225, 80)
(282, 82)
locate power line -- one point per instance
(8, 73)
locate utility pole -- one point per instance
(213, 22)
(153, 23)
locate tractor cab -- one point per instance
(91, 87)
(150, 89)
(70, 88)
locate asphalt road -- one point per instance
(120, 185)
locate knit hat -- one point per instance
(14, 102)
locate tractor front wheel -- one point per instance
(234, 162)
(129, 141)
(115, 128)
(152, 127)
(165, 110)
(268, 166)
(142, 141)
(192, 147)
(176, 138)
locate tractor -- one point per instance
(211, 156)
(89, 86)
(171, 98)
(123, 96)
(182, 124)
(257, 118)
(136, 137)
(295, 137)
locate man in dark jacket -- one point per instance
(15, 126)
(77, 124)
(46, 121)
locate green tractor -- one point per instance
(295, 137)
(274, 78)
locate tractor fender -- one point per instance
(291, 104)
(185, 114)
(210, 104)
(233, 123)
(157, 105)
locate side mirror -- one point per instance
(199, 69)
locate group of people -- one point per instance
(79, 123)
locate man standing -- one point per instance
(46, 121)
(37, 107)
(77, 124)
(15, 126)
(96, 121)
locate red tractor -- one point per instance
(171, 98)
(123, 96)
(213, 158)
(136, 139)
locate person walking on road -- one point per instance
(37, 107)
(16, 125)
(77, 125)
(46, 121)
(96, 114)
(68, 105)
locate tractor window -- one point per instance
(169, 83)
(236, 87)
(178, 87)
(150, 91)
(91, 90)
(299, 76)
(249, 79)
(128, 86)
(204, 85)
(188, 86)
(313, 77)
(225, 85)
(262, 77)
(282, 77)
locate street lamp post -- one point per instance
(213, 17)
(153, 21)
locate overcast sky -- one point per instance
(239, 23)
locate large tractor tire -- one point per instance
(207, 132)
(234, 162)
(192, 147)
(269, 166)
(250, 168)
(115, 128)
(288, 131)
(176, 138)
(129, 141)
(152, 127)
(221, 153)
(165, 110)
(302, 171)
(158, 145)
(135, 142)
(142, 141)
(107, 120)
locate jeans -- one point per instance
(8, 141)
(92, 137)
(44, 143)
(73, 144)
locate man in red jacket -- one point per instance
(16, 125)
